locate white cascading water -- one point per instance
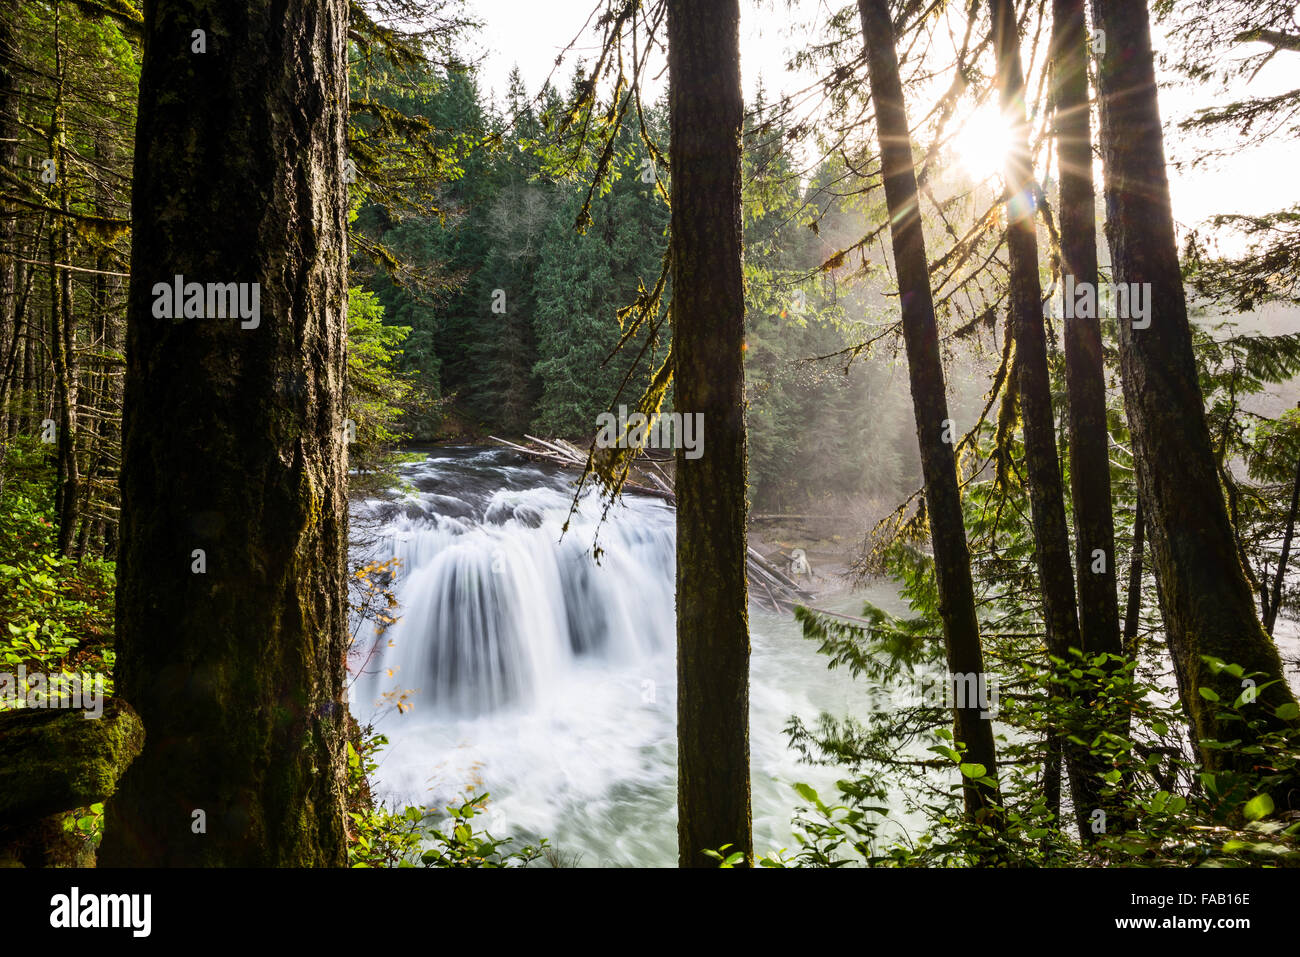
(546, 678)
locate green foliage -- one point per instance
(1161, 808)
(413, 836)
(726, 860)
(1158, 806)
(541, 327)
(812, 396)
(582, 282)
(88, 825)
(1236, 370)
(378, 394)
(56, 614)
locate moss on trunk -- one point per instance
(1208, 605)
(705, 105)
(233, 444)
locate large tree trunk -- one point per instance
(705, 110)
(1209, 606)
(233, 451)
(929, 396)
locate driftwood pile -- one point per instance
(769, 587)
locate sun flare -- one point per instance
(983, 143)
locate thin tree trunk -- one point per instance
(929, 397)
(705, 111)
(231, 602)
(1084, 369)
(9, 328)
(68, 389)
(29, 418)
(1085, 375)
(1042, 465)
(62, 320)
(1209, 606)
(1270, 616)
(1133, 609)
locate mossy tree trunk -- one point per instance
(705, 110)
(231, 603)
(1208, 606)
(929, 396)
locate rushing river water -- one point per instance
(548, 679)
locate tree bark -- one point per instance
(1133, 609)
(1085, 375)
(705, 112)
(1034, 381)
(1270, 615)
(9, 328)
(63, 335)
(929, 397)
(1084, 369)
(233, 444)
(1209, 606)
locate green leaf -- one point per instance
(1289, 711)
(1261, 805)
(974, 770)
(1209, 694)
(805, 792)
(947, 752)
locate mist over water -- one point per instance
(547, 679)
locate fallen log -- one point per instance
(54, 761)
(780, 576)
(790, 518)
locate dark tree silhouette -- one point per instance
(705, 110)
(929, 395)
(231, 606)
(1208, 606)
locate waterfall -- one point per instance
(546, 677)
(498, 603)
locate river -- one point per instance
(547, 679)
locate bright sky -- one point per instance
(531, 33)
